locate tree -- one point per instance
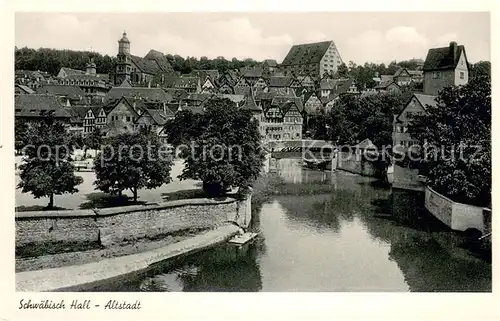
(21, 129)
(481, 68)
(353, 119)
(226, 148)
(182, 128)
(456, 140)
(343, 71)
(48, 170)
(93, 140)
(131, 161)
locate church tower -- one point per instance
(124, 63)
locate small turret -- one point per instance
(91, 67)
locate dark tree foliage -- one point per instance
(51, 60)
(182, 128)
(224, 146)
(364, 74)
(353, 119)
(131, 161)
(462, 118)
(94, 139)
(21, 134)
(480, 69)
(48, 170)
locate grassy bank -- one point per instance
(53, 255)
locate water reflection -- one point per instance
(356, 238)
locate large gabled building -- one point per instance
(315, 59)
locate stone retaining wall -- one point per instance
(353, 164)
(457, 216)
(112, 225)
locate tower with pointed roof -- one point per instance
(124, 60)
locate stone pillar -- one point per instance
(334, 160)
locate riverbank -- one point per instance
(90, 276)
(74, 256)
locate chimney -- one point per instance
(453, 48)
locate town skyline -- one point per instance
(390, 36)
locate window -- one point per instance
(436, 75)
(128, 118)
(462, 75)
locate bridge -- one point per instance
(314, 152)
(285, 146)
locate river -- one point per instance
(345, 240)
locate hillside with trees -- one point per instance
(51, 61)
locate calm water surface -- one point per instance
(330, 242)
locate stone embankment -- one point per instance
(108, 227)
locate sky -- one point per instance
(360, 37)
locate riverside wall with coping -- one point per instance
(113, 225)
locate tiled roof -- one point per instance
(213, 74)
(251, 105)
(29, 73)
(26, 89)
(177, 94)
(38, 105)
(443, 58)
(86, 77)
(136, 103)
(306, 53)
(328, 84)
(72, 72)
(278, 81)
(271, 62)
(148, 94)
(386, 77)
(416, 72)
(259, 96)
(385, 83)
(61, 90)
(78, 111)
(153, 54)
(400, 71)
(154, 64)
(336, 86)
(187, 82)
(193, 109)
(283, 91)
(97, 109)
(164, 64)
(280, 100)
(198, 97)
(242, 90)
(426, 100)
(233, 98)
(158, 116)
(251, 72)
(77, 114)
